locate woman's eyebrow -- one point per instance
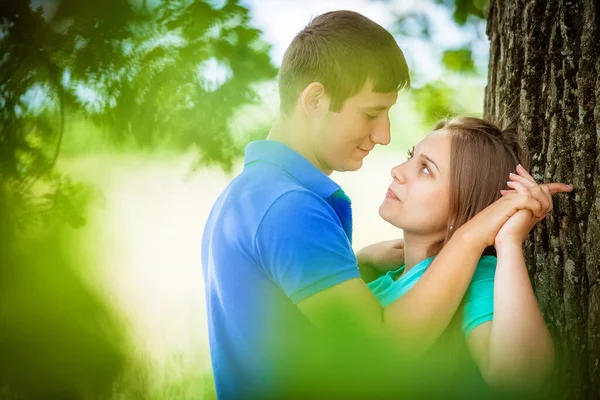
(430, 160)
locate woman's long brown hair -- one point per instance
(482, 156)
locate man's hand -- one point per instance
(383, 256)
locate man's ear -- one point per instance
(314, 100)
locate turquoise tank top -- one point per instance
(477, 306)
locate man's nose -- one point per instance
(382, 135)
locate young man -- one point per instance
(276, 252)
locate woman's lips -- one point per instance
(391, 195)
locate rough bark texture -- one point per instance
(544, 73)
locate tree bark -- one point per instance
(544, 74)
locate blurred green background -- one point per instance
(121, 122)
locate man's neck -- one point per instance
(294, 135)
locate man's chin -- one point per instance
(353, 165)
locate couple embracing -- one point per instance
(291, 305)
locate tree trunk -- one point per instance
(544, 74)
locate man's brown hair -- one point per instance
(343, 50)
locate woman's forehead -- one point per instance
(438, 141)
(437, 146)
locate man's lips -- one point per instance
(364, 150)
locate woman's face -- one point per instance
(418, 198)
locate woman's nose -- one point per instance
(398, 175)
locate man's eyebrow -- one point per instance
(376, 108)
(430, 160)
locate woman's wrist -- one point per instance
(508, 244)
(469, 239)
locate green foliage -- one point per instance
(466, 11)
(140, 74)
(468, 14)
(58, 339)
(438, 99)
(435, 101)
(175, 73)
(459, 60)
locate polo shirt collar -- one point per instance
(293, 163)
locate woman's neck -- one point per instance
(416, 249)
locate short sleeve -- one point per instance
(479, 300)
(302, 245)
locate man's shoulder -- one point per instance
(265, 184)
(258, 192)
(265, 177)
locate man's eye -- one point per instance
(371, 117)
(425, 169)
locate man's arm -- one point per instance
(416, 320)
(378, 258)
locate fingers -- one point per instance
(398, 244)
(548, 194)
(532, 205)
(518, 186)
(537, 194)
(556, 187)
(522, 180)
(524, 199)
(394, 244)
(540, 192)
(523, 173)
(524, 177)
(552, 188)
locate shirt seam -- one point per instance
(327, 278)
(293, 176)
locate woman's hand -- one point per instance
(520, 224)
(383, 256)
(536, 199)
(516, 229)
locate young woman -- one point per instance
(451, 175)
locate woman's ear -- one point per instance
(451, 223)
(314, 100)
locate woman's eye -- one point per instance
(425, 169)
(371, 117)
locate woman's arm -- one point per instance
(514, 349)
(424, 312)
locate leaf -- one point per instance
(459, 60)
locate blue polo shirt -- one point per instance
(279, 233)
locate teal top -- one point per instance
(477, 306)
